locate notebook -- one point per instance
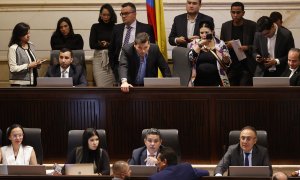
(161, 82)
(22, 170)
(79, 169)
(271, 81)
(54, 82)
(249, 171)
(142, 170)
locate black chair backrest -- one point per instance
(181, 65)
(262, 137)
(78, 58)
(170, 138)
(33, 138)
(75, 139)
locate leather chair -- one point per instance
(181, 65)
(262, 137)
(78, 58)
(170, 138)
(33, 138)
(75, 139)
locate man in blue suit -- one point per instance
(170, 169)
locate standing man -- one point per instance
(141, 59)
(66, 69)
(185, 27)
(125, 33)
(240, 73)
(293, 67)
(244, 153)
(271, 47)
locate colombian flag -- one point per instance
(155, 13)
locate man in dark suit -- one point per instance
(244, 153)
(141, 59)
(66, 69)
(241, 71)
(169, 168)
(185, 27)
(125, 33)
(293, 67)
(271, 47)
(147, 154)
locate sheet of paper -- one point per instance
(236, 44)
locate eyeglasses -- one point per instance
(236, 12)
(126, 13)
(15, 136)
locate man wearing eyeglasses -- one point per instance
(185, 27)
(241, 71)
(147, 155)
(272, 44)
(125, 33)
(244, 153)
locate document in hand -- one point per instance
(236, 44)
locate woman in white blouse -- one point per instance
(17, 153)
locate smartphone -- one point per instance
(209, 36)
(188, 40)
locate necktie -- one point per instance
(127, 36)
(142, 71)
(64, 74)
(246, 159)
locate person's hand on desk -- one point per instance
(125, 87)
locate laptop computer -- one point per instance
(54, 82)
(161, 82)
(142, 170)
(271, 81)
(79, 169)
(249, 171)
(22, 170)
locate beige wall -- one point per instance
(42, 16)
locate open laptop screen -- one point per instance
(79, 169)
(142, 170)
(271, 81)
(161, 82)
(54, 82)
(249, 171)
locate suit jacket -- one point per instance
(235, 157)
(179, 27)
(76, 72)
(116, 42)
(139, 155)
(295, 79)
(249, 29)
(130, 63)
(182, 171)
(284, 42)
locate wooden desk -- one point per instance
(204, 116)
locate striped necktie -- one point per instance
(127, 36)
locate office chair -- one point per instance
(75, 139)
(33, 138)
(181, 65)
(262, 137)
(78, 58)
(170, 138)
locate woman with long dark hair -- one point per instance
(100, 37)
(21, 57)
(16, 153)
(90, 152)
(64, 36)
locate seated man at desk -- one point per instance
(244, 153)
(141, 59)
(147, 154)
(169, 168)
(292, 71)
(66, 69)
(121, 170)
